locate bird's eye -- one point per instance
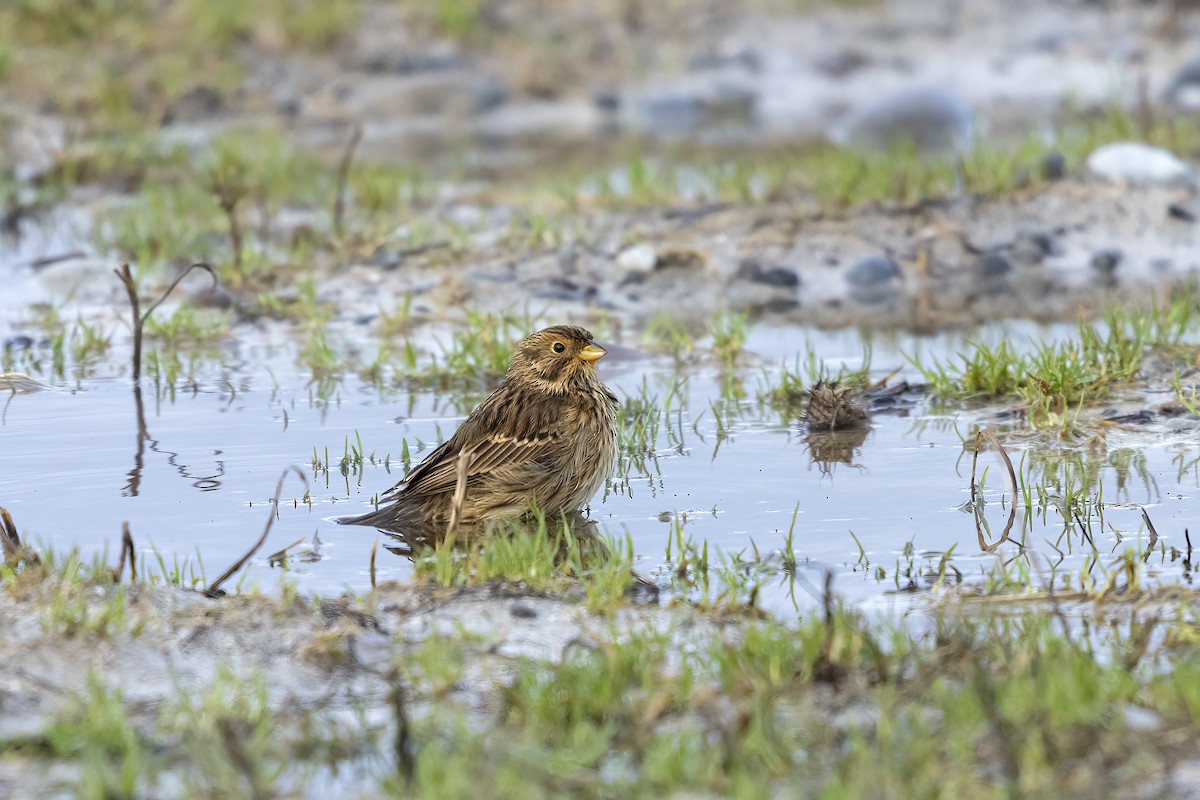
(559, 347)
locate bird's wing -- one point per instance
(439, 472)
(504, 431)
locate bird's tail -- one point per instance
(394, 517)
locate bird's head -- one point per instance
(554, 358)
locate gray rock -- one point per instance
(1185, 82)
(934, 120)
(873, 271)
(991, 266)
(1140, 165)
(695, 106)
(874, 280)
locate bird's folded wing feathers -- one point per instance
(492, 452)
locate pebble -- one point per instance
(1032, 245)
(933, 119)
(1054, 166)
(1141, 165)
(993, 265)
(1181, 212)
(1106, 261)
(640, 257)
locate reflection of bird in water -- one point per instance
(582, 532)
(831, 406)
(545, 439)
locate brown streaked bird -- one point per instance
(831, 406)
(545, 439)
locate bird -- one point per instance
(544, 440)
(830, 406)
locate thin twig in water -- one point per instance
(1010, 475)
(127, 552)
(1141, 643)
(1150, 527)
(139, 319)
(127, 544)
(215, 586)
(374, 549)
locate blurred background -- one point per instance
(287, 132)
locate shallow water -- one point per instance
(198, 494)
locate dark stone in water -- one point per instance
(365, 319)
(1054, 166)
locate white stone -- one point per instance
(1141, 165)
(639, 257)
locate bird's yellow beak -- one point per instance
(592, 352)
